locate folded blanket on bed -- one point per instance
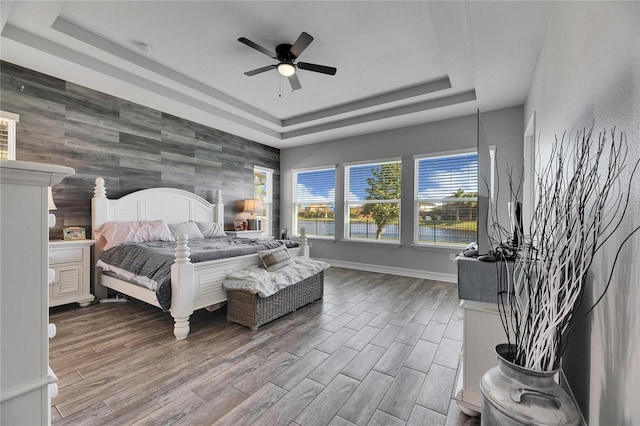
(258, 280)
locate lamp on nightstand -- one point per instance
(252, 206)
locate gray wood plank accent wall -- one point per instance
(132, 147)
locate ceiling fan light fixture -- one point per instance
(286, 69)
(286, 55)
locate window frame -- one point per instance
(267, 202)
(294, 231)
(11, 119)
(417, 199)
(348, 202)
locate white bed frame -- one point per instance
(193, 285)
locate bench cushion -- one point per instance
(258, 280)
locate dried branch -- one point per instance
(581, 202)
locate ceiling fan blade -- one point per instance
(259, 70)
(301, 43)
(257, 47)
(316, 68)
(295, 83)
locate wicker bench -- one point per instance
(253, 311)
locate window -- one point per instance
(446, 198)
(373, 201)
(314, 201)
(263, 190)
(8, 122)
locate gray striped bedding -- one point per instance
(153, 259)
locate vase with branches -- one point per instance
(581, 199)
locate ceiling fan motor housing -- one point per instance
(284, 53)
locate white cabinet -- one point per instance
(71, 262)
(482, 328)
(482, 331)
(24, 304)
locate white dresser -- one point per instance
(24, 304)
(71, 262)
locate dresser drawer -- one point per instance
(65, 255)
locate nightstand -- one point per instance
(71, 261)
(244, 234)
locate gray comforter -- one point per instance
(154, 259)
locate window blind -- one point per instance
(263, 190)
(315, 187)
(373, 201)
(8, 122)
(441, 178)
(379, 181)
(314, 202)
(4, 140)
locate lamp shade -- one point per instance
(252, 206)
(52, 205)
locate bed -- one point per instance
(193, 285)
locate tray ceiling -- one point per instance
(399, 63)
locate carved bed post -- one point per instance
(99, 206)
(99, 215)
(304, 242)
(182, 288)
(219, 208)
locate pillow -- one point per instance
(211, 230)
(188, 228)
(276, 258)
(112, 234)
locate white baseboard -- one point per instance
(414, 273)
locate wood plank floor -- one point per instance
(377, 350)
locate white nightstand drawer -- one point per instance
(71, 261)
(65, 255)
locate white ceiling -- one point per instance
(400, 63)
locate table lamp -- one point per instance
(252, 206)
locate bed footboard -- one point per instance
(199, 285)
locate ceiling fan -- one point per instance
(286, 54)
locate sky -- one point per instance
(438, 178)
(317, 186)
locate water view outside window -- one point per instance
(315, 202)
(373, 201)
(447, 199)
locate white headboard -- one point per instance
(170, 204)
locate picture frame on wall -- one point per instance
(74, 233)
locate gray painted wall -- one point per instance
(502, 128)
(589, 73)
(132, 147)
